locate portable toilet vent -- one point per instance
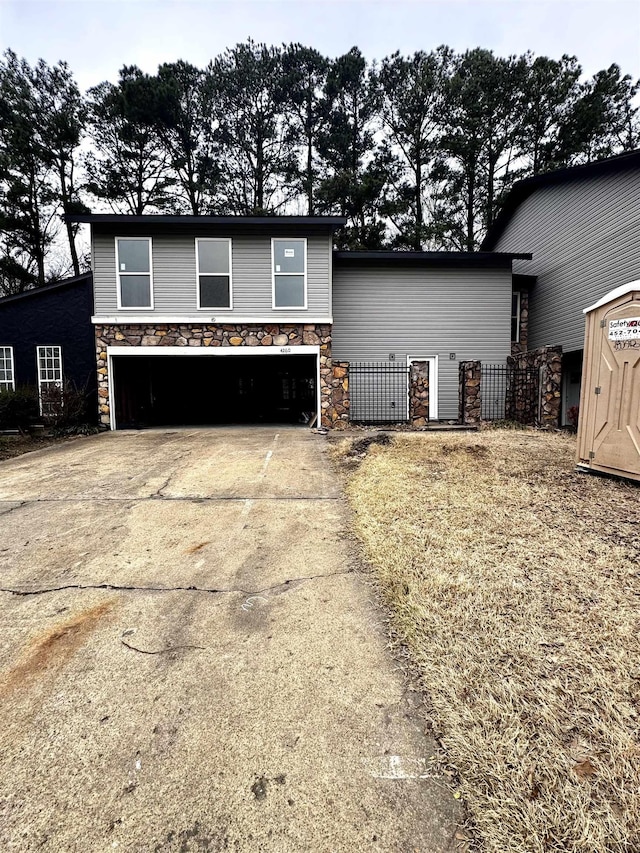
(609, 419)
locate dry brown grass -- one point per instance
(515, 584)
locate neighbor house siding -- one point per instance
(423, 312)
(174, 276)
(585, 240)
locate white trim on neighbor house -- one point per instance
(302, 349)
(54, 368)
(179, 320)
(122, 307)
(7, 371)
(227, 240)
(273, 275)
(433, 382)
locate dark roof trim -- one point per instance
(48, 288)
(523, 282)
(523, 189)
(188, 221)
(429, 259)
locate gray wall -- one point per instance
(585, 240)
(423, 312)
(174, 276)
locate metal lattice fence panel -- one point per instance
(510, 393)
(379, 392)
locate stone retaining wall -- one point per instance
(334, 381)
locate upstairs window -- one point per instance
(133, 263)
(213, 270)
(289, 268)
(7, 379)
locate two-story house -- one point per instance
(210, 319)
(582, 226)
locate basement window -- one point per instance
(289, 269)
(135, 277)
(7, 379)
(213, 271)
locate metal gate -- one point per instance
(510, 393)
(379, 392)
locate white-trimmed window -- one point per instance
(213, 272)
(134, 271)
(7, 377)
(515, 316)
(49, 378)
(289, 270)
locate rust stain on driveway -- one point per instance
(52, 649)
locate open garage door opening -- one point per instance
(153, 391)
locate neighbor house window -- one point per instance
(289, 259)
(49, 379)
(213, 269)
(135, 279)
(7, 379)
(515, 317)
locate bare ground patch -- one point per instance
(515, 584)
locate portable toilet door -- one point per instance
(609, 416)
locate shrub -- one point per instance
(66, 407)
(19, 408)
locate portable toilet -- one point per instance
(609, 416)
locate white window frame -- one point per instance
(517, 293)
(10, 369)
(273, 275)
(122, 307)
(57, 381)
(214, 308)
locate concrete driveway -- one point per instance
(192, 658)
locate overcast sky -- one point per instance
(97, 37)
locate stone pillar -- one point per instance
(419, 394)
(335, 404)
(550, 383)
(470, 395)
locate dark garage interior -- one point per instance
(213, 389)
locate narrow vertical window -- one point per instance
(289, 260)
(135, 281)
(515, 317)
(49, 379)
(213, 270)
(7, 378)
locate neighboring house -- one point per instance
(582, 226)
(46, 338)
(251, 319)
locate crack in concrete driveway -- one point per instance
(290, 727)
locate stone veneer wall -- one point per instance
(548, 361)
(469, 392)
(521, 346)
(334, 381)
(419, 394)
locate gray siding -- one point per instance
(585, 240)
(423, 312)
(174, 277)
